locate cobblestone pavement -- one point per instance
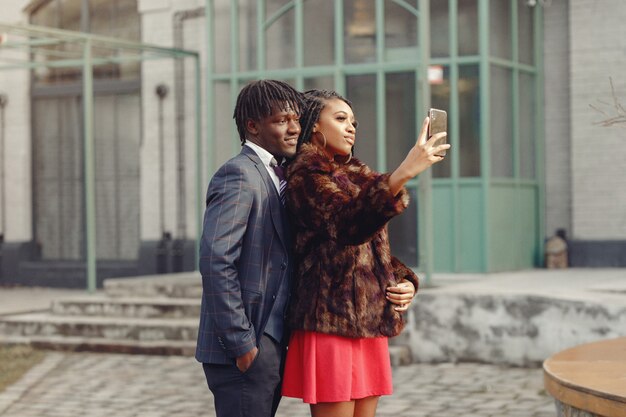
(98, 385)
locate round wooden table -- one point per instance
(590, 377)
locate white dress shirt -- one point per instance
(266, 158)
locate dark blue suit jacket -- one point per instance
(244, 256)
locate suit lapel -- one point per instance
(277, 209)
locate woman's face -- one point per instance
(338, 126)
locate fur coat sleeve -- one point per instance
(343, 262)
(348, 203)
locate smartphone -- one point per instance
(438, 123)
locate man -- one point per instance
(245, 257)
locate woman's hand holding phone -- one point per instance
(421, 156)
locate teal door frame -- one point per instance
(339, 71)
(469, 207)
(490, 223)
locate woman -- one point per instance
(347, 284)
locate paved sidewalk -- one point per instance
(99, 385)
(14, 300)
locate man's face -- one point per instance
(278, 133)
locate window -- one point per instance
(111, 18)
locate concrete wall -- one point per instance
(519, 330)
(17, 146)
(597, 52)
(558, 209)
(517, 318)
(157, 18)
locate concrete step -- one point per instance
(85, 344)
(400, 355)
(179, 285)
(116, 328)
(162, 307)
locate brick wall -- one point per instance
(157, 20)
(597, 52)
(17, 146)
(558, 209)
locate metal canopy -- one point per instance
(64, 48)
(27, 47)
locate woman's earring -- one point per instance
(349, 157)
(324, 137)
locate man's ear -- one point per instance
(252, 127)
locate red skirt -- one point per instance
(328, 368)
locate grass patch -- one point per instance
(15, 361)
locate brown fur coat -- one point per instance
(343, 262)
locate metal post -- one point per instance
(339, 74)
(425, 212)
(161, 92)
(199, 176)
(539, 132)
(210, 90)
(3, 102)
(162, 255)
(381, 89)
(89, 166)
(485, 128)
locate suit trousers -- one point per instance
(254, 393)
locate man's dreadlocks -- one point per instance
(314, 103)
(259, 99)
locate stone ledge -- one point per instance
(507, 328)
(103, 345)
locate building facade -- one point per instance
(527, 86)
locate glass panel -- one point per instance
(117, 132)
(127, 24)
(361, 91)
(526, 33)
(401, 130)
(400, 33)
(468, 27)
(118, 18)
(360, 31)
(469, 121)
(58, 177)
(106, 193)
(226, 136)
(440, 99)
(527, 125)
(403, 233)
(221, 36)
(247, 35)
(102, 16)
(500, 27)
(280, 38)
(439, 28)
(501, 121)
(63, 14)
(70, 14)
(320, 83)
(319, 44)
(48, 15)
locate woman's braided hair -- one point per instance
(259, 99)
(314, 103)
